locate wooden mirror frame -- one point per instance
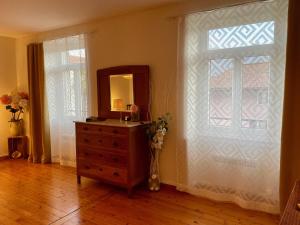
(141, 90)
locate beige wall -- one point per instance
(148, 37)
(8, 82)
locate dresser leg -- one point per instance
(78, 179)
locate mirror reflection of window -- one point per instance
(121, 92)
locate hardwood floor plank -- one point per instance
(36, 194)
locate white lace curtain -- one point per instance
(231, 81)
(67, 93)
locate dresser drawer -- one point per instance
(98, 129)
(103, 141)
(102, 157)
(109, 173)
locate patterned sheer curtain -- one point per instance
(66, 82)
(232, 76)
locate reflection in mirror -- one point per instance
(121, 92)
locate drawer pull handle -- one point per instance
(87, 167)
(86, 140)
(115, 131)
(116, 174)
(115, 144)
(85, 128)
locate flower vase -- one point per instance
(135, 113)
(135, 116)
(154, 180)
(15, 128)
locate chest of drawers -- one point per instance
(113, 154)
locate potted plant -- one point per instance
(156, 132)
(15, 103)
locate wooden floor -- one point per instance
(48, 194)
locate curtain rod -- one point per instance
(221, 7)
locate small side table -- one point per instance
(17, 143)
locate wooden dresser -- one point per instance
(112, 151)
(291, 214)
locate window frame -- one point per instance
(237, 54)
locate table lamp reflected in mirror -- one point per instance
(118, 104)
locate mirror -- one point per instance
(121, 92)
(114, 96)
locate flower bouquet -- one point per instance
(135, 113)
(156, 132)
(15, 103)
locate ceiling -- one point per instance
(21, 17)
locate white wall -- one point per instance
(148, 37)
(8, 82)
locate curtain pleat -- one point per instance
(40, 151)
(290, 143)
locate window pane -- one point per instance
(241, 36)
(77, 53)
(220, 92)
(255, 93)
(65, 60)
(76, 56)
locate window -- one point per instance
(65, 66)
(242, 35)
(233, 63)
(66, 83)
(220, 92)
(255, 89)
(243, 78)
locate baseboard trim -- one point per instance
(168, 186)
(4, 157)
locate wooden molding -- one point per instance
(168, 186)
(5, 157)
